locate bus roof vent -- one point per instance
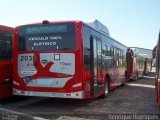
(96, 24)
(45, 22)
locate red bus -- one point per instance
(147, 66)
(135, 65)
(154, 58)
(6, 35)
(156, 52)
(67, 59)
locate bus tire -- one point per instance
(106, 88)
(157, 95)
(108, 80)
(123, 84)
(136, 76)
(156, 89)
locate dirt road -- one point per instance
(136, 97)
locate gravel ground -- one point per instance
(136, 97)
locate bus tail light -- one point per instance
(68, 94)
(22, 92)
(72, 94)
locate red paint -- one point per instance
(156, 57)
(133, 69)
(81, 75)
(6, 69)
(44, 71)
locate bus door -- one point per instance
(128, 57)
(96, 65)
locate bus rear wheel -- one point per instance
(136, 77)
(156, 89)
(106, 89)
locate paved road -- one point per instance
(136, 97)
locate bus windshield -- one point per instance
(45, 37)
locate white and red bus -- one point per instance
(67, 59)
(156, 55)
(154, 52)
(154, 59)
(147, 66)
(6, 35)
(135, 65)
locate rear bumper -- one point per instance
(76, 95)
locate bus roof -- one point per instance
(99, 27)
(6, 28)
(147, 53)
(51, 22)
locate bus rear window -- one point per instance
(46, 37)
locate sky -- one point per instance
(135, 23)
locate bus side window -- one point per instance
(117, 57)
(108, 52)
(8, 48)
(108, 56)
(86, 40)
(2, 47)
(121, 56)
(124, 59)
(114, 57)
(5, 47)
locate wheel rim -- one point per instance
(106, 88)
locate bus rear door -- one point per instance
(96, 65)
